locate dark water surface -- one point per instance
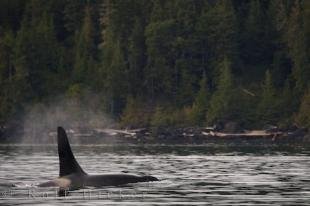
(190, 175)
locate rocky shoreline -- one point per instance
(164, 135)
(201, 135)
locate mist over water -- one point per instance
(41, 120)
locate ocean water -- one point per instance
(189, 175)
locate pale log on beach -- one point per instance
(253, 133)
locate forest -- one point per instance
(155, 63)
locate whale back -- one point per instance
(67, 162)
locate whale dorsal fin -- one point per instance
(67, 161)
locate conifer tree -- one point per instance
(217, 30)
(160, 67)
(136, 59)
(268, 105)
(7, 103)
(221, 103)
(303, 116)
(298, 49)
(116, 82)
(200, 104)
(37, 50)
(186, 91)
(257, 39)
(6, 56)
(73, 16)
(187, 71)
(84, 65)
(287, 102)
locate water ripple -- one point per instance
(197, 177)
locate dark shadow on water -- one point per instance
(182, 150)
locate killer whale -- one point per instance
(72, 176)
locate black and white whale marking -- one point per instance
(72, 176)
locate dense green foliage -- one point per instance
(160, 62)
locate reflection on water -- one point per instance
(190, 175)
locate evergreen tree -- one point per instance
(298, 47)
(7, 71)
(136, 58)
(281, 64)
(199, 107)
(6, 57)
(84, 65)
(186, 67)
(268, 105)
(257, 40)
(221, 103)
(160, 73)
(303, 116)
(116, 80)
(37, 50)
(287, 103)
(73, 16)
(217, 32)
(186, 91)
